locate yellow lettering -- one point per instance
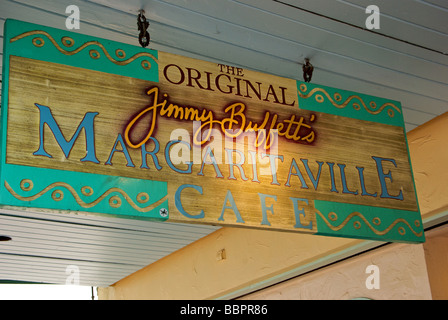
(232, 120)
(153, 108)
(233, 125)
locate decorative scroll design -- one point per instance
(375, 221)
(94, 54)
(370, 108)
(57, 195)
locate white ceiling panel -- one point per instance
(104, 249)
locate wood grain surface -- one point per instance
(339, 142)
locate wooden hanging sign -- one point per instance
(102, 127)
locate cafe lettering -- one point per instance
(105, 128)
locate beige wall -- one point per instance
(414, 272)
(401, 274)
(255, 259)
(429, 157)
(196, 272)
(436, 253)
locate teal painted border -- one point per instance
(367, 222)
(25, 186)
(34, 187)
(349, 104)
(47, 44)
(358, 221)
(4, 105)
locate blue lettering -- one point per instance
(298, 212)
(272, 158)
(229, 198)
(254, 165)
(363, 187)
(46, 117)
(239, 164)
(298, 173)
(382, 176)
(209, 152)
(314, 181)
(152, 154)
(168, 158)
(344, 180)
(333, 184)
(264, 208)
(129, 162)
(179, 205)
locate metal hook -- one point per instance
(142, 24)
(307, 70)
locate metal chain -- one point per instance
(143, 37)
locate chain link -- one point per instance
(143, 37)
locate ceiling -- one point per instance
(45, 246)
(405, 60)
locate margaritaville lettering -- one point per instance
(120, 130)
(87, 123)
